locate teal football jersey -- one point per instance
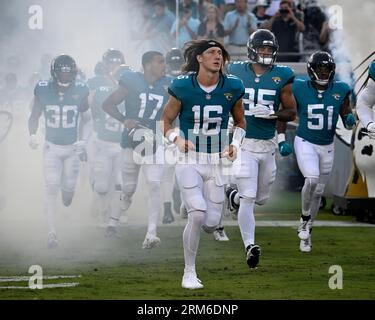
(265, 90)
(144, 102)
(107, 128)
(204, 116)
(371, 70)
(61, 112)
(319, 112)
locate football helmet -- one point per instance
(113, 58)
(321, 68)
(64, 70)
(100, 69)
(174, 60)
(262, 38)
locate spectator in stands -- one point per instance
(316, 34)
(285, 25)
(239, 24)
(162, 19)
(187, 27)
(260, 12)
(159, 27)
(211, 28)
(193, 7)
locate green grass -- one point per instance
(119, 269)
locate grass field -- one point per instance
(119, 269)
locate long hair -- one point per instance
(194, 48)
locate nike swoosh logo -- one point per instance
(329, 151)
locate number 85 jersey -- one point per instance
(204, 116)
(318, 112)
(61, 111)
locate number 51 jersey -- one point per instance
(61, 111)
(319, 112)
(204, 116)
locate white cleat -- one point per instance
(220, 235)
(52, 240)
(304, 228)
(150, 242)
(305, 245)
(191, 281)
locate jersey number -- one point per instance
(315, 117)
(216, 121)
(249, 103)
(66, 116)
(151, 97)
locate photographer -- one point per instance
(285, 25)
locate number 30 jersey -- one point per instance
(318, 112)
(61, 111)
(204, 116)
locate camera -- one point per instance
(284, 11)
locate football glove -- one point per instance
(33, 142)
(349, 121)
(80, 150)
(285, 149)
(262, 111)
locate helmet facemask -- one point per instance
(265, 55)
(321, 68)
(262, 47)
(64, 71)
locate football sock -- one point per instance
(191, 236)
(246, 220)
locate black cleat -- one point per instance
(253, 252)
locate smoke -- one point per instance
(85, 30)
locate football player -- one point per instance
(145, 95)
(320, 101)
(203, 99)
(267, 86)
(106, 163)
(366, 102)
(174, 61)
(64, 103)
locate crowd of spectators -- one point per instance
(300, 26)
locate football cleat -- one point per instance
(150, 242)
(230, 194)
(303, 230)
(183, 211)
(52, 240)
(253, 252)
(191, 281)
(220, 235)
(305, 245)
(111, 232)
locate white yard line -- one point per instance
(277, 223)
(27, 278)
(46, 286)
